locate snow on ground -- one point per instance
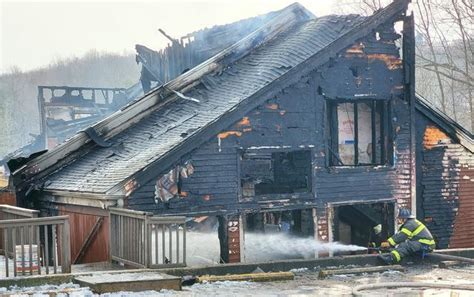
(306, 283)
(126, 277)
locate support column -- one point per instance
(409, 86)
(322, 227)
(230, 238)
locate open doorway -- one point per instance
(354, 223)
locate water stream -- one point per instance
(203, 248)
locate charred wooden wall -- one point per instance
(446, 186)
(295, 119)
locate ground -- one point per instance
(306, 283)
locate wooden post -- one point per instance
(110, 236)
(316, 227)
(223, 239)
(66, 248)
(146, 242)
(409, 77)
(230, 238)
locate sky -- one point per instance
(35, 33)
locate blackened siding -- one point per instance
(295, 119)
(445, 185)
(213, 183)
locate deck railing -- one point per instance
(140, 239)
(9, 212)
(36, 246)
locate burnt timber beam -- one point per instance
(167, 36)
(324, 273)
(409, 81)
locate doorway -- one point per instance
(363, 223)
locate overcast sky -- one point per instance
(34, 33)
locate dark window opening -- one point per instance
(359, 133)
(275, 173)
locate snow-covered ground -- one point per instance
(306, 283)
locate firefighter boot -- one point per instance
(386, 258)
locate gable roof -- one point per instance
(450, 126)
(147, 133)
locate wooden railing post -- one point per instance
(146, 241)
(66, 247)
(110, 237)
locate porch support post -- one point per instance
(230, 238)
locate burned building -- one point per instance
(307, 123)
(66, 110)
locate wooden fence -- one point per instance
(32, 245)
(140, 239)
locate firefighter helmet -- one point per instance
(405, 213)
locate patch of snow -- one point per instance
(304, 269)
(120, 277)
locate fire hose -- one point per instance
(357, 290)
(450, 257)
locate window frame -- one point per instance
(383, 106)
(307, 194)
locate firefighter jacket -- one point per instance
(413, 230)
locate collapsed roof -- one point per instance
(194, 48)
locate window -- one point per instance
(275, 173)
(359, 133)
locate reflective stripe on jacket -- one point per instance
(412, 230)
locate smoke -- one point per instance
(203, 248)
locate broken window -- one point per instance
(358, 133)
(275, 173)
(169, 185)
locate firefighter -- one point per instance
(413, 237)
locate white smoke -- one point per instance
(264, 247)
(203, 248)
